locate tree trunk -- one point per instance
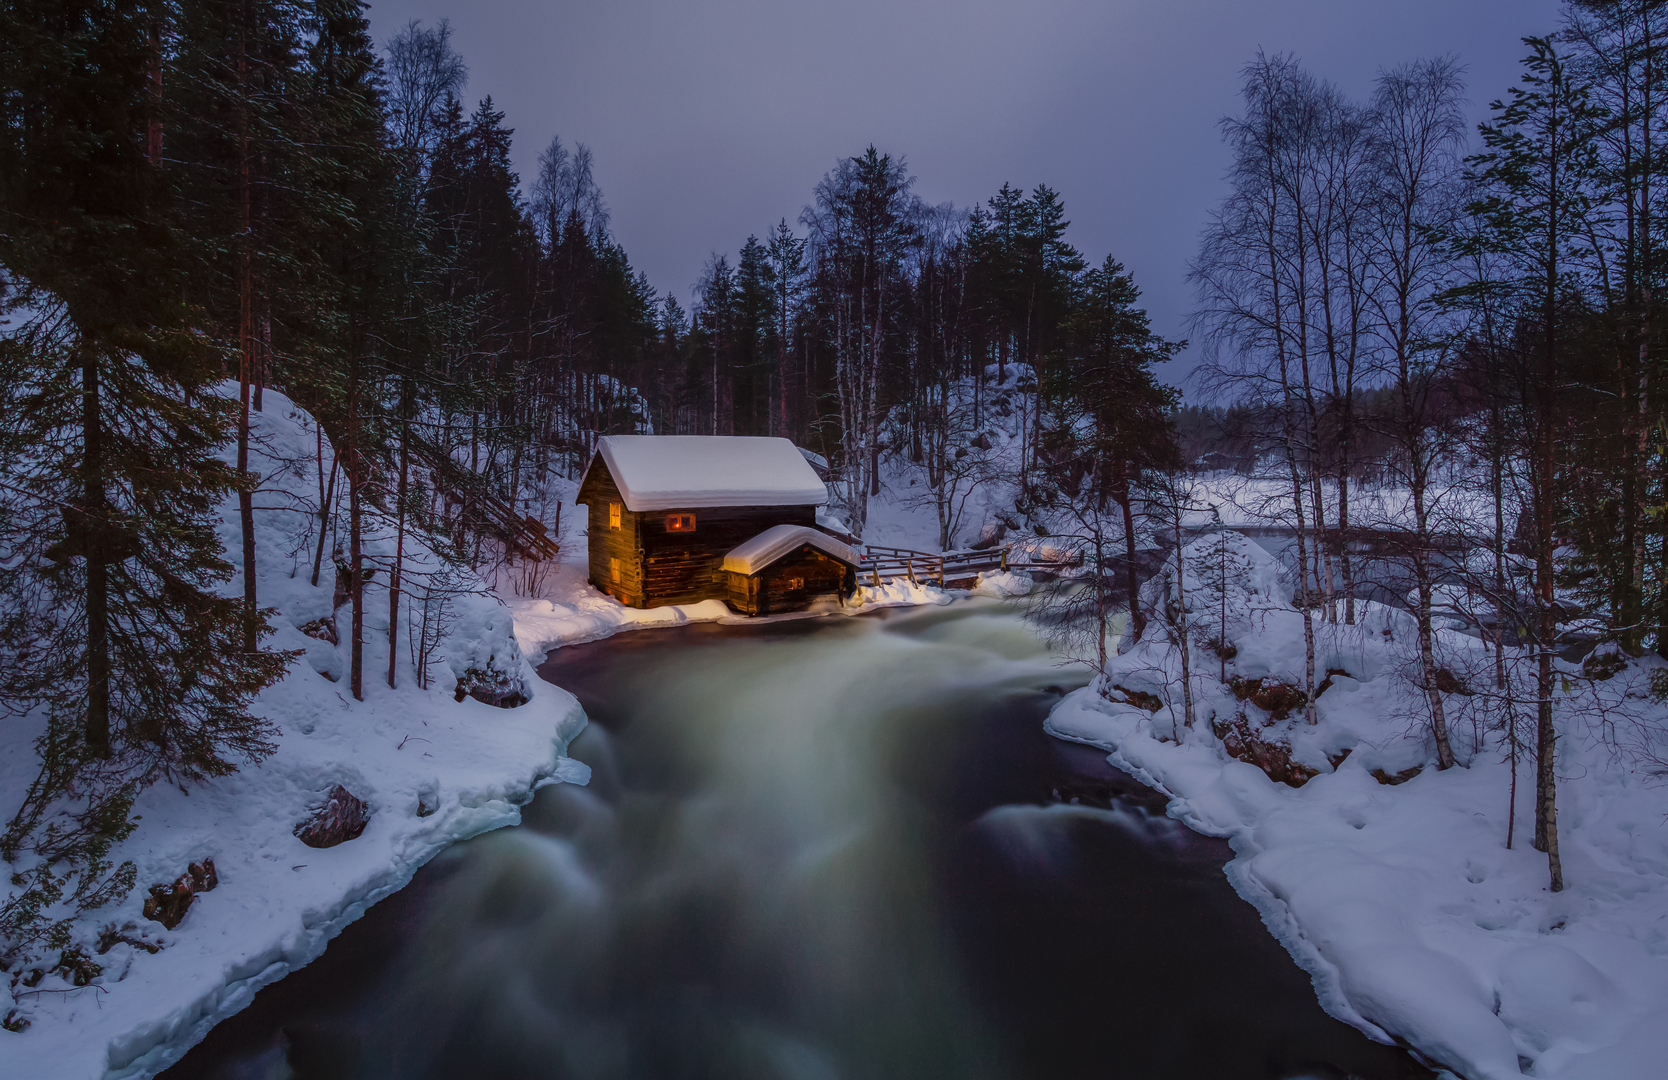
(153, 127)
(1183, 642)
(1121, 494)
(98, 581)
(324, 512)
(399, 543)
(246, 344)
(1419, 475)
(356, 572)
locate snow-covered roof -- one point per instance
(777, 541)
(674, 472)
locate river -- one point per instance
(815, 849)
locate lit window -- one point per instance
(680, 522)
(613, 515)
(796, 583)
(614, 569)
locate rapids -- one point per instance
(815, 849)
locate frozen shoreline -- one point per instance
(573, 613)
(1400, 899)
(433, 770)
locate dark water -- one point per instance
(839, 848)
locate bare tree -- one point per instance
(423, 71)
(861, 228)
(566, 186)
(1417, 136)
(1254, 280)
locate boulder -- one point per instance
(342, 817)
(1268, 751)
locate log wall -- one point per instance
(607, 543)
(789, 583)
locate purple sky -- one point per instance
(713, 120)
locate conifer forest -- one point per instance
(299, 377)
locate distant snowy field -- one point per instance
(1402, 901)
(470, 767)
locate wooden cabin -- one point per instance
(666, 510)
(786, 567)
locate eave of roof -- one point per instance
(779, 540)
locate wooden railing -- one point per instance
(523, 533)
(882, 564)
(483, 510)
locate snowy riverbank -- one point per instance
(433, 770)
(1401, 899)
(571, 611)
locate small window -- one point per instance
(796, 583)
(613, 515)
(680, 522)
(614, 569)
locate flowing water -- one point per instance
(832, 848)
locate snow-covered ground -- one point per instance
(432, 769)
(1402, 900)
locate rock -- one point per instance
(323, 629)
(167, 904)
(1138, 698)
(491, 685)
(1604, 664)
(1392, 779)
(341, 818)
(1278, 699)
(344, 583)
(1449, 683)
(1271, 754)
(203, 875)
(1327, 684)
(111, 936)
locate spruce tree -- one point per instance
(1109, 403)
(116, 627)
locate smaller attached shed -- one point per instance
(785, 567)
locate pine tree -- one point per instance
(115, 627)
(1111, 406)
(1535, 173)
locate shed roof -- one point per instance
(779, 540)
(673, 472)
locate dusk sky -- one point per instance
(710, 121)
